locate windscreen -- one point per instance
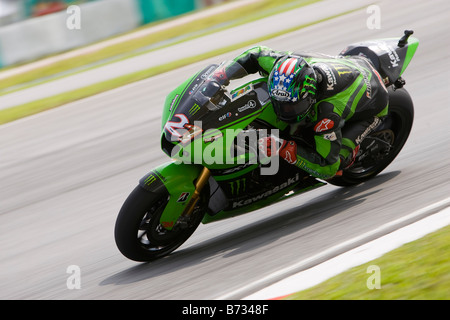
(214, 92)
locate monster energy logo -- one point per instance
(150, 179)
(266, 194)
(194, 109)
(238, 186)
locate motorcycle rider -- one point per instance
(330, 103)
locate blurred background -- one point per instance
(30, 29)
(102, 79)
(17, 10)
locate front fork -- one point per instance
(183, 183)
(202, 180)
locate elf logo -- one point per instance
(223, 117)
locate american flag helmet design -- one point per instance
(293, 81)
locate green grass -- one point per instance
(418, 270)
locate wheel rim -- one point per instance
(154, 238)
(375, 149)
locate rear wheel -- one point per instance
(138, 232)
(381, 147)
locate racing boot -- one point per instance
(347, 162)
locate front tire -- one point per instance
(138, 233)
(381, 147)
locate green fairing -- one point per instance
(269, 116)
(179, 175)
(173, 99)
(190, 157)
(215, 154)
(177, 178)
(275, 197)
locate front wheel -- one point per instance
(138, 233)
(381, 147)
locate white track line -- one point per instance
(382, 230)
(353, 258)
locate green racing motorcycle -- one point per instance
(210, 131)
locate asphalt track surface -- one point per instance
(65, 174)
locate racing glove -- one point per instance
(271, 146)
(221, 77)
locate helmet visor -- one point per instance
(292, 111)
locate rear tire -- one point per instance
(381, 147)
(138, 233)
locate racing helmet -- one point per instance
(292, 88)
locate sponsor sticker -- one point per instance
(324, 125)
(241, 92)
(183, 197)
(330, 136)
(281, 94)
(249, 105)
(226, 115)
